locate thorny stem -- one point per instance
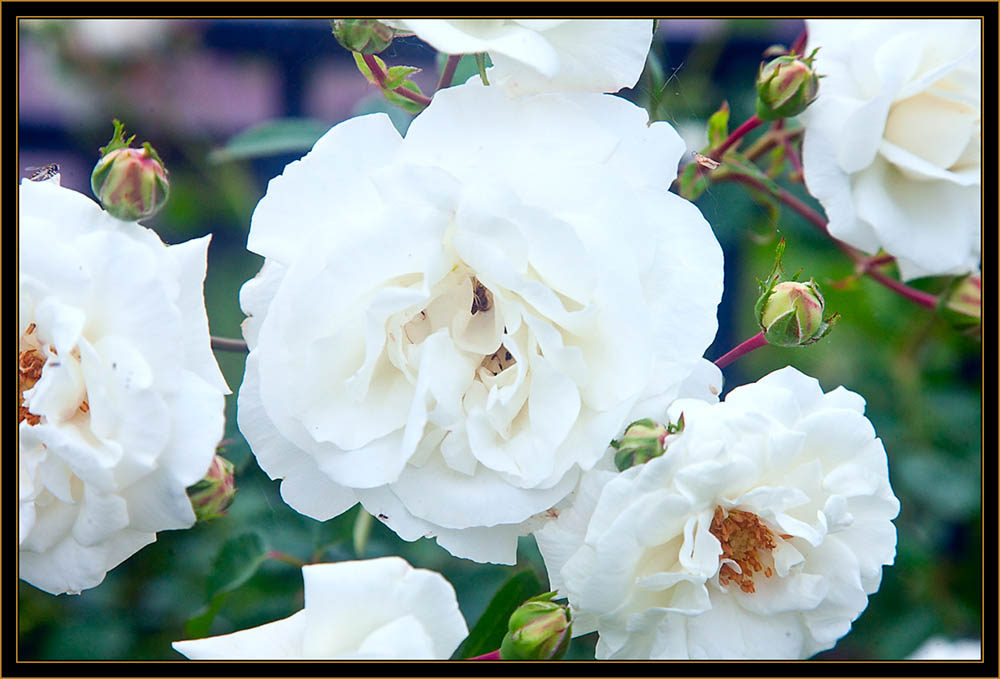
(751, 123)
(227, 344)
(743, 348)
(862, 264)
(448, 73)
(492, 655)
(285, 558)
(379, 76)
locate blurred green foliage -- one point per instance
(921, 380)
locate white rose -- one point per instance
(939, 648)
(376, 609)
(759, 533)
(546, 55)
(892, 144)
(449, 327)
(121, 400)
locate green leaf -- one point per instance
(397, 75)
(692, 182)
(198, 625)
(718, 126)
(359, 59)
(285, 135)
(481, 65)
(402, 102)
(488, 632)
(235, 563)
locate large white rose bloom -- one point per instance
(546, 55)
(759, 533)
(120, 398)
(449, 327)
(375, 609)
(892, 144)
(940, 648)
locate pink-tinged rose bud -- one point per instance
(212, 496)
(131, 183)
(786, 86)
(790, 313)
(539, 629)
(963, 307)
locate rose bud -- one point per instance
(643, 440)
(130, 183)
(538, 630)
(366, 36)
(963, 306)
(792, 314)
(212, 496)
(786, 86)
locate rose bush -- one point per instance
(120, 398)
(449, 327)
(376, 609)
(892, 145)
(759, 533)
(545, 55)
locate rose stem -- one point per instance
(860, 261)
(751, 123)
(227, 344)
(285, 558)
(745, 347)
(379, 76)
(492, 655)
(448, 73)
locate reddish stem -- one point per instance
(379, 76)
(448, 74)
(285, 558)
(861, 262)
(751, 123)
(492, 655)
(920, 297)
(743, 348)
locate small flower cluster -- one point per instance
(502, 291)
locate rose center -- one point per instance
(745, 541)
(31, 360)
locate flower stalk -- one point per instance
(448, 72)
(230, 344)
(372, 63)
(743, 348)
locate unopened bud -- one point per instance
(963, 306)
(539, 629)
(786, 86)
(130, 183)
(211, 497)
(792, 314)
(643, 440)
(366, 36)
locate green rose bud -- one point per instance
(211, 497)
(963, 305)
(786, 86)
(792, 314)
(643, 440)
(130, 183)
(538, 630)
(366, 36)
